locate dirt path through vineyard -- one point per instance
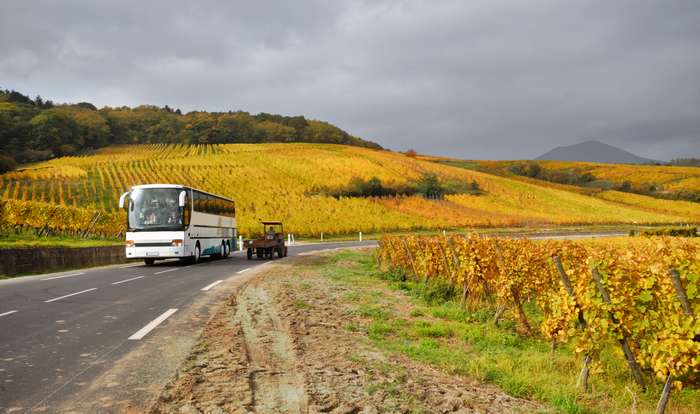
(285, 343)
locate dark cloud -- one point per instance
(480, 79)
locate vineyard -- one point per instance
(282, 181)
(640, 296)
(661, 180)
(674, 178)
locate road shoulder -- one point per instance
(287, 341)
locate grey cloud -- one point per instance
(480, 79)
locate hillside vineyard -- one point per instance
(281, 181)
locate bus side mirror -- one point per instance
(181, 200)
(122, 199)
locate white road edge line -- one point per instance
(8, 313)
(130, 265)
(152, 325)
(207, 287)
(165, 271)
(244, 270)
(62, 276)
(69, 295)
(127, 280)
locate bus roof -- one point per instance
(178, 186)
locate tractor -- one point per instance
(270, 242)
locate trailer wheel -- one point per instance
(280, 252)
(259, 252)
(285, 251)
(250, 253)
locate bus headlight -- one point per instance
(129, 243)
(176, 242)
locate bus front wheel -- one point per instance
(149, 262)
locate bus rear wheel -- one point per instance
(197, 254)
(149, 262)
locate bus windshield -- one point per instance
(154, 209)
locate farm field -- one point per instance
(283, 181)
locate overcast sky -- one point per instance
(472, 79)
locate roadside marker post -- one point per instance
(360, 236)
(240, 243)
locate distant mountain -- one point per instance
(594, 151)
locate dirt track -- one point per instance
(282, 345)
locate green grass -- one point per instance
(424, 323)
(26, 240)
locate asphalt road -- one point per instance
(54, 327)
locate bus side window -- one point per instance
(186, 213)
(197, 201)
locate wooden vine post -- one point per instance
(624, 342)
(683, 298)
(456, 264)
(583, 376)
(410, 258)
(451, 271)
(516, 299)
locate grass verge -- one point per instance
(423, 322)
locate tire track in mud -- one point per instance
(276, 385)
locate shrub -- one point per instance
(7, 164)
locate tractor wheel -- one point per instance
(259, 252)
(280, 252)
(250, 253)
(285, 251)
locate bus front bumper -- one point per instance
(160, 252)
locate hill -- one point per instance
(593, 151)
(291, 182)
(34, 130)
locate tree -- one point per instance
(53, 128)
(429, 186)
(626, 186)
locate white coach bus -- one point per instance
(174, 221)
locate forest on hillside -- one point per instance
(34, 130)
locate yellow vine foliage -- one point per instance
(644, 304)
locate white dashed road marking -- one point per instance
(8, 313)
(69, 295)
(62, 276)
(207, 287)
(152, 325)
(165, 271)
(244, 270)
(127, 280)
